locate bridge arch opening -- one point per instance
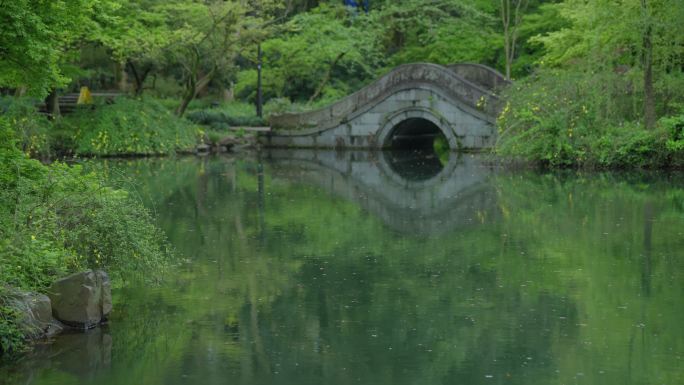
(414, 134)
(418, 148)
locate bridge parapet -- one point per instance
(482, 75)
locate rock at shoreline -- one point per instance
(36, 310)
(82, 300)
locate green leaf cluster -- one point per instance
(35, 38)
(31, 130)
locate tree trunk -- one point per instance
(649, 94)
(188, 95)
(326, 78)
(506, 21)
(511, 18)
(20, 91)
(138, 77)
(194, 88)
(507, 53)
(122, 80)
(52, 104)
(229, 94)
(259, 96)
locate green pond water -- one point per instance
(300, 267)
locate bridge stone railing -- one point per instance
(482, 75)
(452, 82)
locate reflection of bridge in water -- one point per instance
(416, 196)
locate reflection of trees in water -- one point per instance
(324, 299)
(611, 240)
(556, 281)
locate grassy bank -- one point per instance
(129, 126)
(126, 127)
(55, 220)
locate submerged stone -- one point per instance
(82, 300)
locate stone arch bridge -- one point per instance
(408, 107)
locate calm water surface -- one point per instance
(364, 268)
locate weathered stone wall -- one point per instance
(464, 111)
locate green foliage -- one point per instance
(542, 18)
(644, 34)
(29, 127)
(674, 128)
(278, 106)
(630, 146)
(588, 109)
(221, 120)
(36, 36)
(444, 32)
(543, 120)
(589, 39)
(213, 137)
(559, 118)
(442, 150)
(325, 40)
(170, 103)
(135, 30)
(56, 219)
(238, 114)
(333, 51)
(11, 335)
(128, 126)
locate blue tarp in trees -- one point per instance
(357, 4)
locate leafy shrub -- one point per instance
(561, 119)
(213, 137)
(171, 104)
(546, 120)
(674, 127)
(55, 219)
(278, 105)
(629, 146)
(219, 120)
(11, 335)
(129, 126)
(29, 126)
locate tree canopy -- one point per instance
(300, 54)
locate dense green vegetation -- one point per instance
(588, 93)
(128, 126)
(56, 219)
(558, 118)
(125, 127)
(605, 94)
